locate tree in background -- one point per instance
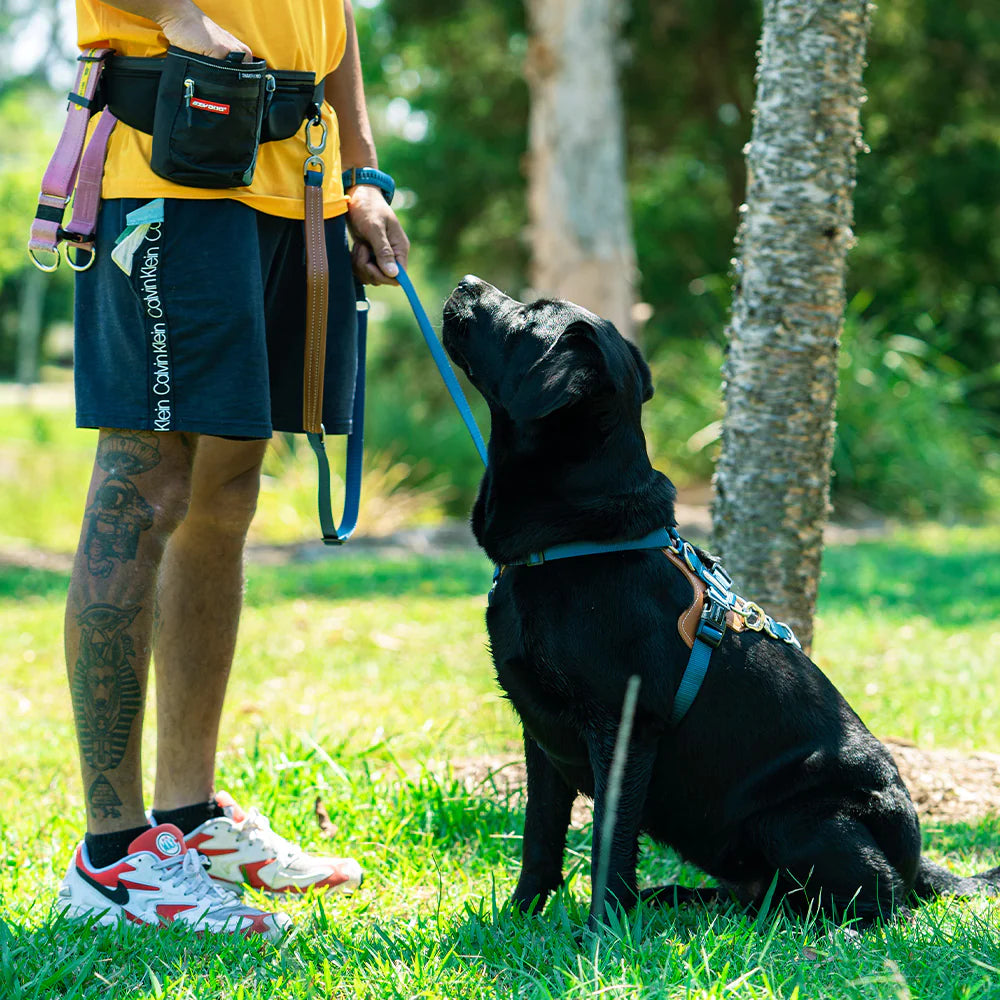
(773, 474)
(580, 231)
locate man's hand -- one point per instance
(379, 239)
(190, 28)
(186, 26)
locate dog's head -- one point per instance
(530, 359)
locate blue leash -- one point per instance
(332, 533)
(719, 597)
(441, 360)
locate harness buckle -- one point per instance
(535, 559)
(712, 625)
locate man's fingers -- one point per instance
(366, 268)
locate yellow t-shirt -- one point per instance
(300, 35)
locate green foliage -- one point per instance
(926, 218)
(29, 122)
(906, 442)
(450, 107)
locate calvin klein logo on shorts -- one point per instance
(214, 106)
(161, 376)
(167, 845)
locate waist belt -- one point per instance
(129, 85)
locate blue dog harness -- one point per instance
(720, 606)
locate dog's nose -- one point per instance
(470, 280)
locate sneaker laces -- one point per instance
(189, 870)
(256, 828)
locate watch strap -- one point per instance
(370, 175)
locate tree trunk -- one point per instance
(581, 237)
(773, 475)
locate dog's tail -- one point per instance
(933, 881)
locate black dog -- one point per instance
(770, 778)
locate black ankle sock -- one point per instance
(106, 848)
(188, 818)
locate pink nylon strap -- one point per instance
(61, 174)
(88, 186)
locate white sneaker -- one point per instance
(242, 849)
(159, 882)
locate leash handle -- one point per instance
(332, 533)
(443, 365)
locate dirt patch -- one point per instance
(947, 786)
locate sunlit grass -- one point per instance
(366, 682)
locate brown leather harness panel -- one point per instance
(687, 623)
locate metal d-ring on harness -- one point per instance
(719, 601)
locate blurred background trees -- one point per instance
(919, 404)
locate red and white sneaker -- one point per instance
(161, 882)
(243, 850)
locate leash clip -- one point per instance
(316, 122)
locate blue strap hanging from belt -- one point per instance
(332, 533)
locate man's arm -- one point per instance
(186, 26)
(378, 237)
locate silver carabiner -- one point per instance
(313, 148)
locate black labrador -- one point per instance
(770, 779)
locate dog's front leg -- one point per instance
(616, 824)
(546, 820)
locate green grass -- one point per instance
(366, 682)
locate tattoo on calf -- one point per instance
(119, 513)
(106, 696)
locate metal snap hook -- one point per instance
(314, 149)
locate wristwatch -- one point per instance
(369, 175)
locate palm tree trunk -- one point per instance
(772, 479)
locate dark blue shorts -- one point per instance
(207, 335)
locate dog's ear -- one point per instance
(572, 367)
(645, 376)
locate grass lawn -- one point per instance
(367, 682)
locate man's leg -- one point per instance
(198, 602)
(198, 609)
(138, 494)
(125, 871)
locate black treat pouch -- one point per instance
(206, 127)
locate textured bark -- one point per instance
(581, 238)
(772, 479)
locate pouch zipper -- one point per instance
(240, 68)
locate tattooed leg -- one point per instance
(199, 599)
(138, 494)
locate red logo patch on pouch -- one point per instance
(213, 106)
